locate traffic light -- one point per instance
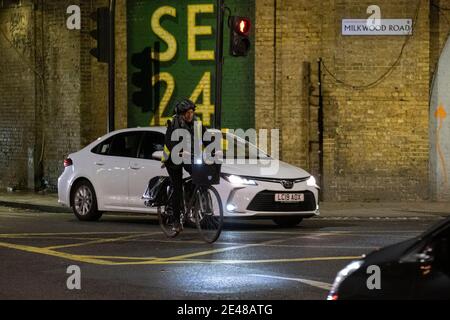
(142, 79)
(239, 35)
(101, 34)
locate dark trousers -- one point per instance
(176, 179)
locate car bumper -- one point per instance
(271, 214)
(259, 201)
(64, 183)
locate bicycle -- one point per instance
(202, 206)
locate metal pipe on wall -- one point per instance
(111, 66)
(219, 65)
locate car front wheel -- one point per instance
(287, 221)
(84, 202)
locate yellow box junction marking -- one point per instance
(180, 259)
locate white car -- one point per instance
(112, 173)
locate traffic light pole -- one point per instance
(111, 65)
(219, 65)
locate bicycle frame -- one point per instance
(189, 205)
(196, 213)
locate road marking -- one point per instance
(380, 232)
(180, 259)
(324, 233)
(208, 252)
(317, 284)
(98, 241)
(429, 216)
(119, 258)
(12, 235)
(101, 260)
(286, 260)
(54, 238)
(299, 232)
(63, 255)
(188, 242)
(159, 261)
(329, 233)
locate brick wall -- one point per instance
(17, 94)
(61, 112)
(376, 144)
(54, 93)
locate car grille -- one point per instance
(265, 201)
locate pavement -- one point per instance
(48, 202)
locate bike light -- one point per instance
(231, 207)
(236, 180)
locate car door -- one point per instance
(144, 167)
(112, 169)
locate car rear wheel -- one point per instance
(84, 202)
(287, 221)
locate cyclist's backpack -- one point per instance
(157, 192)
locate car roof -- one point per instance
(157, 129)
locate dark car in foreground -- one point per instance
(418, 268)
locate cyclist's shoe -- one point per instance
(177, 227)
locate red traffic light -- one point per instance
(239, 35)
(242, 26)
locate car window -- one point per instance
(125, 144)
(104, 147)
(153, 141)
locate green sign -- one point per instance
(171, 47)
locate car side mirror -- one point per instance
(157, 155)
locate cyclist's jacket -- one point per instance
(177, 122)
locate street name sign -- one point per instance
(385, 27)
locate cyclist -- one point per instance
(184, 118)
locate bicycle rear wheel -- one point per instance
(208, 213)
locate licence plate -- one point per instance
(289, 197)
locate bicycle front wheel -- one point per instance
(208, 213)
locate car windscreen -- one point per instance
(235, 147)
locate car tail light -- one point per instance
(68, 162)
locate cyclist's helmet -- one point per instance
(183, 106)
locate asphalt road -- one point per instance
(128, 257)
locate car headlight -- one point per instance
(311, 182)
(237, 180)
(341, 276)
